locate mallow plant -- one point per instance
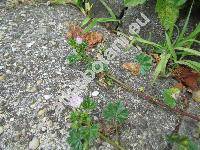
(84, 130)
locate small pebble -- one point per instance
(30, 44)
(1, 129)
(1, 67)
(44, 129)
(2, 77)
(12, 119)
(34, 144)
(47, 96)
(95, 93)
(41, 112)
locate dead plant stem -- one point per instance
(153, 99)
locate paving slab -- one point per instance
(189, 127)
(36, 82)
(153, 30)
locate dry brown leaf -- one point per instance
(132, 67)
(93, 38)
(188, 77)
(101, 80)
(196, 95)
(2, 77)
(75, 31)
(179, 86)
(156, 57)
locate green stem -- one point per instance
(115, 145)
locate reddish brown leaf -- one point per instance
(188, 77)
(179, 86)
(93, 38)
(196, 95)
(132, 67)
(74, 32)
(156, 57)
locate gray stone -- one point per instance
(34, 143)
(147, 124)
(153, 29)
(1, 129)
(99, 11)
(189, 127)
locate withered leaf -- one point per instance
(188, 77)
(75, 31)
(92, 38)
(134, 68)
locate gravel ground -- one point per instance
(35, 82)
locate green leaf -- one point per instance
(164, 58)
(145, 62)
(192, 64)
(170, 47)
(100, 20)
(89, 132)
(194, 33)
(82, 137)
(58, 2)
(182, 142)
(93, 132)
(189, 50)
(185, 26)
(179, 2)
(75, 139)
(139, 39)
(115, 112)
(88, 104)
(85, 21)
(74, 116)
(108, 9)
(168, 13)
(185, 42)
(133, 3)
(168, 96)
(72, 58)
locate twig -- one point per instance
(115, 145)
(153, 100)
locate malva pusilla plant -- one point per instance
(84, 130)
(81, 55)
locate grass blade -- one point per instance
(170, 47)
(139, 39)
(85, 21)
(107, 20)
(91, 25)
(161, 66)
(96, 20)
(185, 25)
(189, 50)
(190, 40)
(109, 9)
(194, 33)
(192, 64)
